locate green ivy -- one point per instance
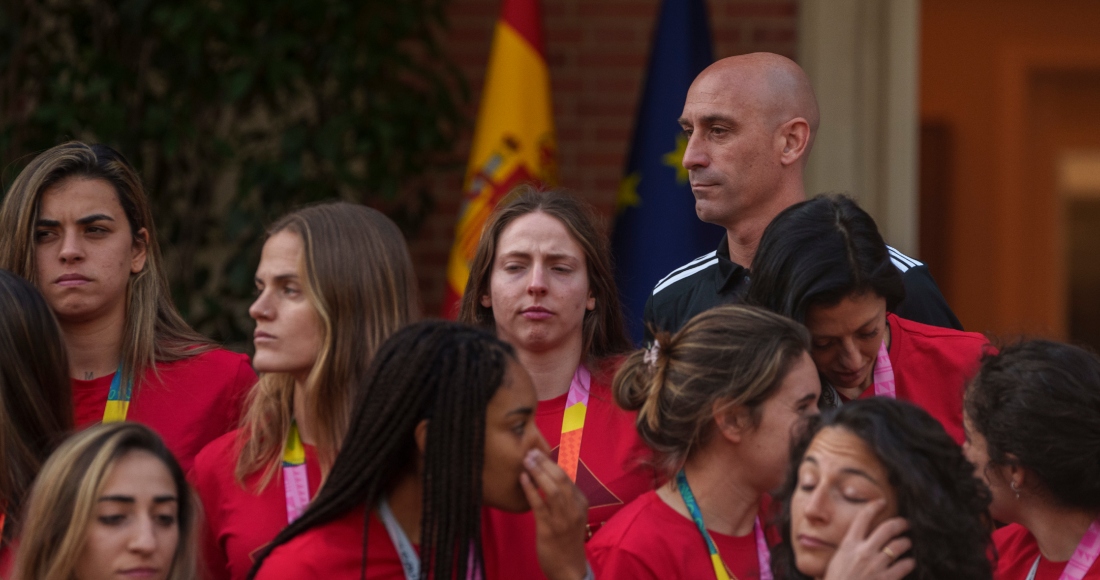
(236, 111)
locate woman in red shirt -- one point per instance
(1033, 429)
(35, 407)
(76, 222)
(443, 425)
(541, 280)
(334, 281)
(823, 263)
(716, 402)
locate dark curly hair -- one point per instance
(946, 506)
(1037, 404)
(818, 252)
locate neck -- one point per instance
(94, 347)
(551, 371)
(407, 502)
(745, 232)
(727, 507)
(1058, 531)
(300, 415)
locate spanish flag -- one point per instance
(514, 137)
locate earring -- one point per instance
(1015, 490)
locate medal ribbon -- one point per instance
(883, 375)
(295, 478)
(1083, 557)
(721, 571)
(118, 399)
(572, 424)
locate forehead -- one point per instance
(836, 449)
(282, 254)
(517, 391)
(847, 316)
(802, 379)
(536, 233)
(139, 474)
(79, 197)
(722, 94)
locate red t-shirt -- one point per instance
(932, 366)
(612, 472)
(649, 540)
(1017, 550)
(199, 400)
(238, 521)
(334, 551)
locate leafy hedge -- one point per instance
(235, 111)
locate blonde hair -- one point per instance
(62, 503)
(724, 357)
(360, 280)
(154, 331)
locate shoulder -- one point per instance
(1012, 537)
(919, 332)
(902, 262)
(636, 528)
(218, 456)
(686, 275)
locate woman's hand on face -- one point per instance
(561, 513)
(875, 555)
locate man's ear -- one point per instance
(421, 435)
(795, 138)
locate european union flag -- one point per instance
(656, 229)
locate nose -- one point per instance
(695, 154)
(260, 308)
(536, 284)
(817, 505)
(144, 538)
(850, 355)
(72, 250)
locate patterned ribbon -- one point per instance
(572, 424)
(721, 571)
(118, 399)
(1083, 557)
(883, 375)
(295, 477)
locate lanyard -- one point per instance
(572, 423)
(1083, 557)
(410, 560)
(118, 399)
(295, 477)
(883, 375)
(721, 572)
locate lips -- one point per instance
(261, 336)
(72, 280)
(536, 313)
(813, 543)
(140, 573)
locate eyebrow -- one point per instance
(90, 219)
(525, 254)
(130, 498)
(807, 397)
(846, 470)
(709, 120)
(520, 411)
(279, 278)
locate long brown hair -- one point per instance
(63, 501)
(732, 355)
(603, 331)
(154, 330)
(36, 409)
(360, 279)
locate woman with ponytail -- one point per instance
(334, 281)
(443, 426)
(716, 403)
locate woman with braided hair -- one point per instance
(716, 402)
(334, 281)
(442, 426)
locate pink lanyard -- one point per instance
(295, 477)
(763, 555)
(1083, 557)
(883, 375)
(572, 422)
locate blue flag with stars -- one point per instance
(656, 229)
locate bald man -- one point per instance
(750, 122)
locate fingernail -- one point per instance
(531, 457)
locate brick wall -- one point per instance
(597, 52)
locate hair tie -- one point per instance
(651, 354)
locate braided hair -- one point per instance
(442, 371)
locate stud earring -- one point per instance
(1015, 490)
